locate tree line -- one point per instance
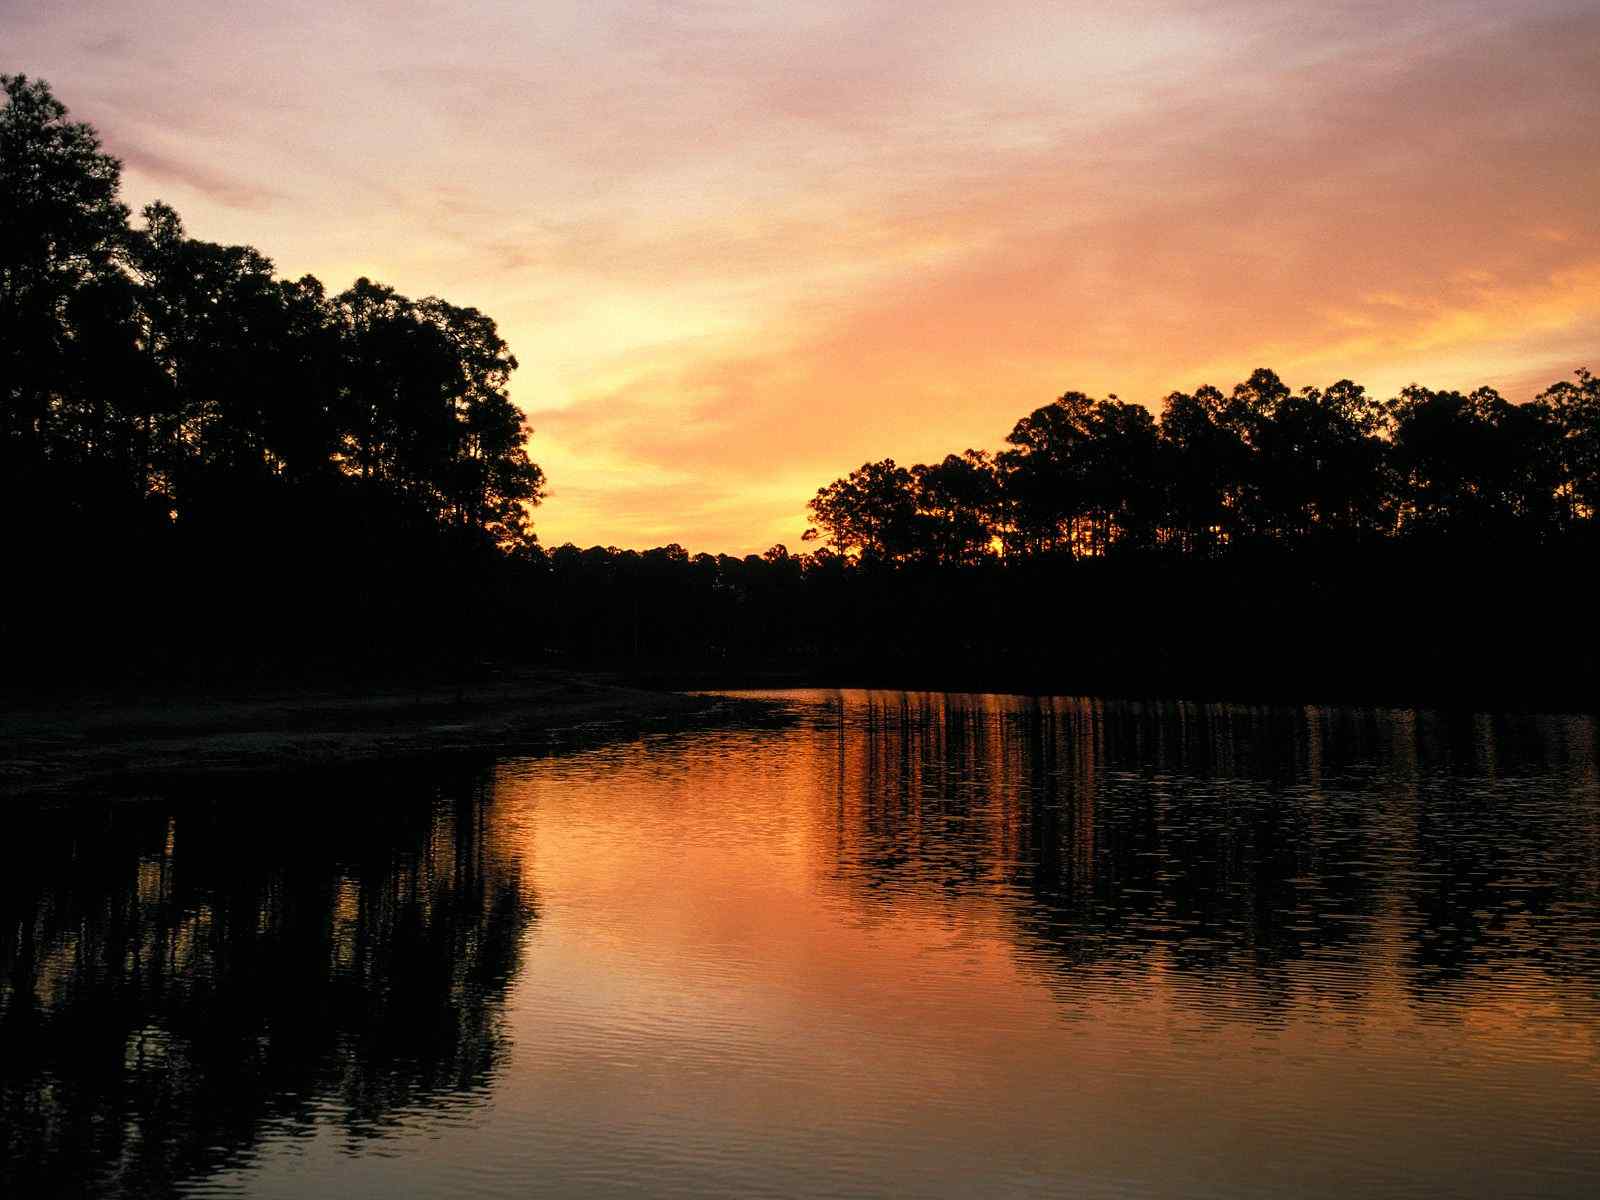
(1218, 473)
(1434, 545)
(193, 448)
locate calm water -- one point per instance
(878, 944)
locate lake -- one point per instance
(844, 944)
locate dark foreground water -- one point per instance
(894, 945)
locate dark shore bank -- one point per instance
(127, 737)
(123, 739)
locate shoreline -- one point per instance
(99, 744)
(1481, 694)
(120, 741)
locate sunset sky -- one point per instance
(740, 248)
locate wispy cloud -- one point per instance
(164, 171)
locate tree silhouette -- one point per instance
(1473, 466)
(175, 414)
(62, 230)
(1204, 464)
(956, 499)
(872, 511)
(1574, 408)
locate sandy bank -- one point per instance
(98, 744)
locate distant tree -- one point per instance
(1205, 461)
(1250, 411)
(1120, 477)
(1041, 475)
(1082, 476)
(1473, 465)
(957, 502)
(1573, 407)
(1319, 462)
(871, 512)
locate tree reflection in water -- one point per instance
(1297, 850)
(177, 979)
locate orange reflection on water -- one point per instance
(989, 943)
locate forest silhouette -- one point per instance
(204, 461)
(207, 468)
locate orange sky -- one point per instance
(741, 248)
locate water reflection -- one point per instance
(178, 980)
(888, 944)
(1228, 839)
